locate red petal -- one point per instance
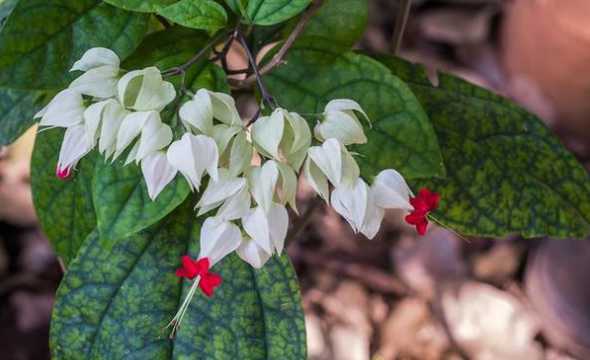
(209, 282)
(421, 227)
(181, 272)
(415, 218)
(202, 266)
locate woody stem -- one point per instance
(266, 96)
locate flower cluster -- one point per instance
(250, 172)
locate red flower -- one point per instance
(192, 268)
(423, 204)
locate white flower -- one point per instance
(101, 73)
(287, 185)
(351, 202)
(392, 191)
(64, 110)
(316, 179)
(193, 155)
(157, 173)
(219, 191)
(334, 162)
(144, 90)
(218, 239)
(389, 191)
(73, 147)
(283, 136)
(263, 181)
(373, 216)
(96, 57)
(267, 233)
(198, 113)
(223, 134)
(236, 206)
(240, 154)
(155, 135)
(102, 121)
(252, 253)
(340, 122)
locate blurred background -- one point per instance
(441, 296)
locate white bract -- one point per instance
(73, 147)
(101, 73)
(334, 162)
(157, 172)
(145, 90)
(193, 155)
(283, 136)
(263, 181)
(198, 114)
(340, 122)
(218, 239)
(220, 191)
(64, 110)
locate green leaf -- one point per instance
(203, 14)
(114, 303)
(401, 136)
(65, 208)
(141, 5)
(506, 172)
(121, 200)
(342, 22)
(237, 6)
(42, 39)
(17, 108)
(270, 12)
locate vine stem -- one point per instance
(277, 59)
(181, 69)
(400, 24)
(266, 96)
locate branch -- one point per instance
(277, 59)
(400, 24)
(181, 69)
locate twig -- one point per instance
(400, 24)
(277, 59)
(181, 69)
(266, 96)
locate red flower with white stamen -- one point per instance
(423, 204)
(192, 268)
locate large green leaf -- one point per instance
(342, 22)
(64, 208)
(114, 303)
(121, 200)
(17, 108)
(42, 39)
(270, 12)
(400, 137)
(506, 172)
(203, 14)
(141, 5)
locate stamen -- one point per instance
(177, 320)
